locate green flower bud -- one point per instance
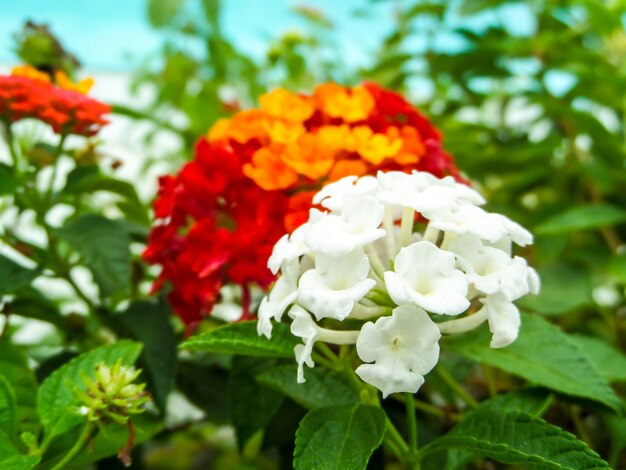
(111, 397)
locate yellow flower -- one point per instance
(269, 171)
(351, 105)
(64, 82)
(375, 147)
(310, 156)
(30, 72)
(283, 104)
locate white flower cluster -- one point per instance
(399, 250)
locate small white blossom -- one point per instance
(403, 348)
(491, 270)
(284, 292)
(357, 226)
(290, 247)
(335, 285)
(488, 226)
(333, 195)
(425, 275)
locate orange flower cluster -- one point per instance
(310, 140)
(254, 176)
(29, 93)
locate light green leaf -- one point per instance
(338, 437)
(14, 367)
(8, 408)
(19, 462)
(162, 12)
(517, 438)
(242, 338)
(585, 217)
(607, 360)
(533, 401)
(543, 355)
(13, 275)
(103, 245)
(322, 387)
(56, 401)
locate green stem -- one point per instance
(397, 439)
(412, 429)
(490, 379)
(11, 144)
(55, 168)
(330, 355)
(74, 451)
(456, 387)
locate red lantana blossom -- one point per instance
(253, 178)
(66, 111)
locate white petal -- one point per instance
(504, 320)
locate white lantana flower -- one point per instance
(365, 260)
(335, 285)
(356, 226)
(491, 270)
(284, 292)
(491, 227)
(425, 275)
(333, 195)
(403, 348)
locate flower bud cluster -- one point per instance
(399, 254)
(112, 396)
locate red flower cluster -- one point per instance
(254, 176)
(66, 111)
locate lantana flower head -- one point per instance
(253, 180)
(392, 254)
(30, 94)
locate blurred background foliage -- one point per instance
(530, 99)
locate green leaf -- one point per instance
(14, 367)
(607, 360)
(19, 462)
(8, 408)
(533, 401)
(242, 338)
(149, 321)
(563, 288)
(339, 437)
(248, 415)
(585, 217)
(322, 387)
(517, 438)
(617, 268)
(56, 402)
(543, 355)
(88, 179)
(14, 276)
(8, 183)
(162, 12)
(103, 245)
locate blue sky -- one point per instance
(107, 34)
